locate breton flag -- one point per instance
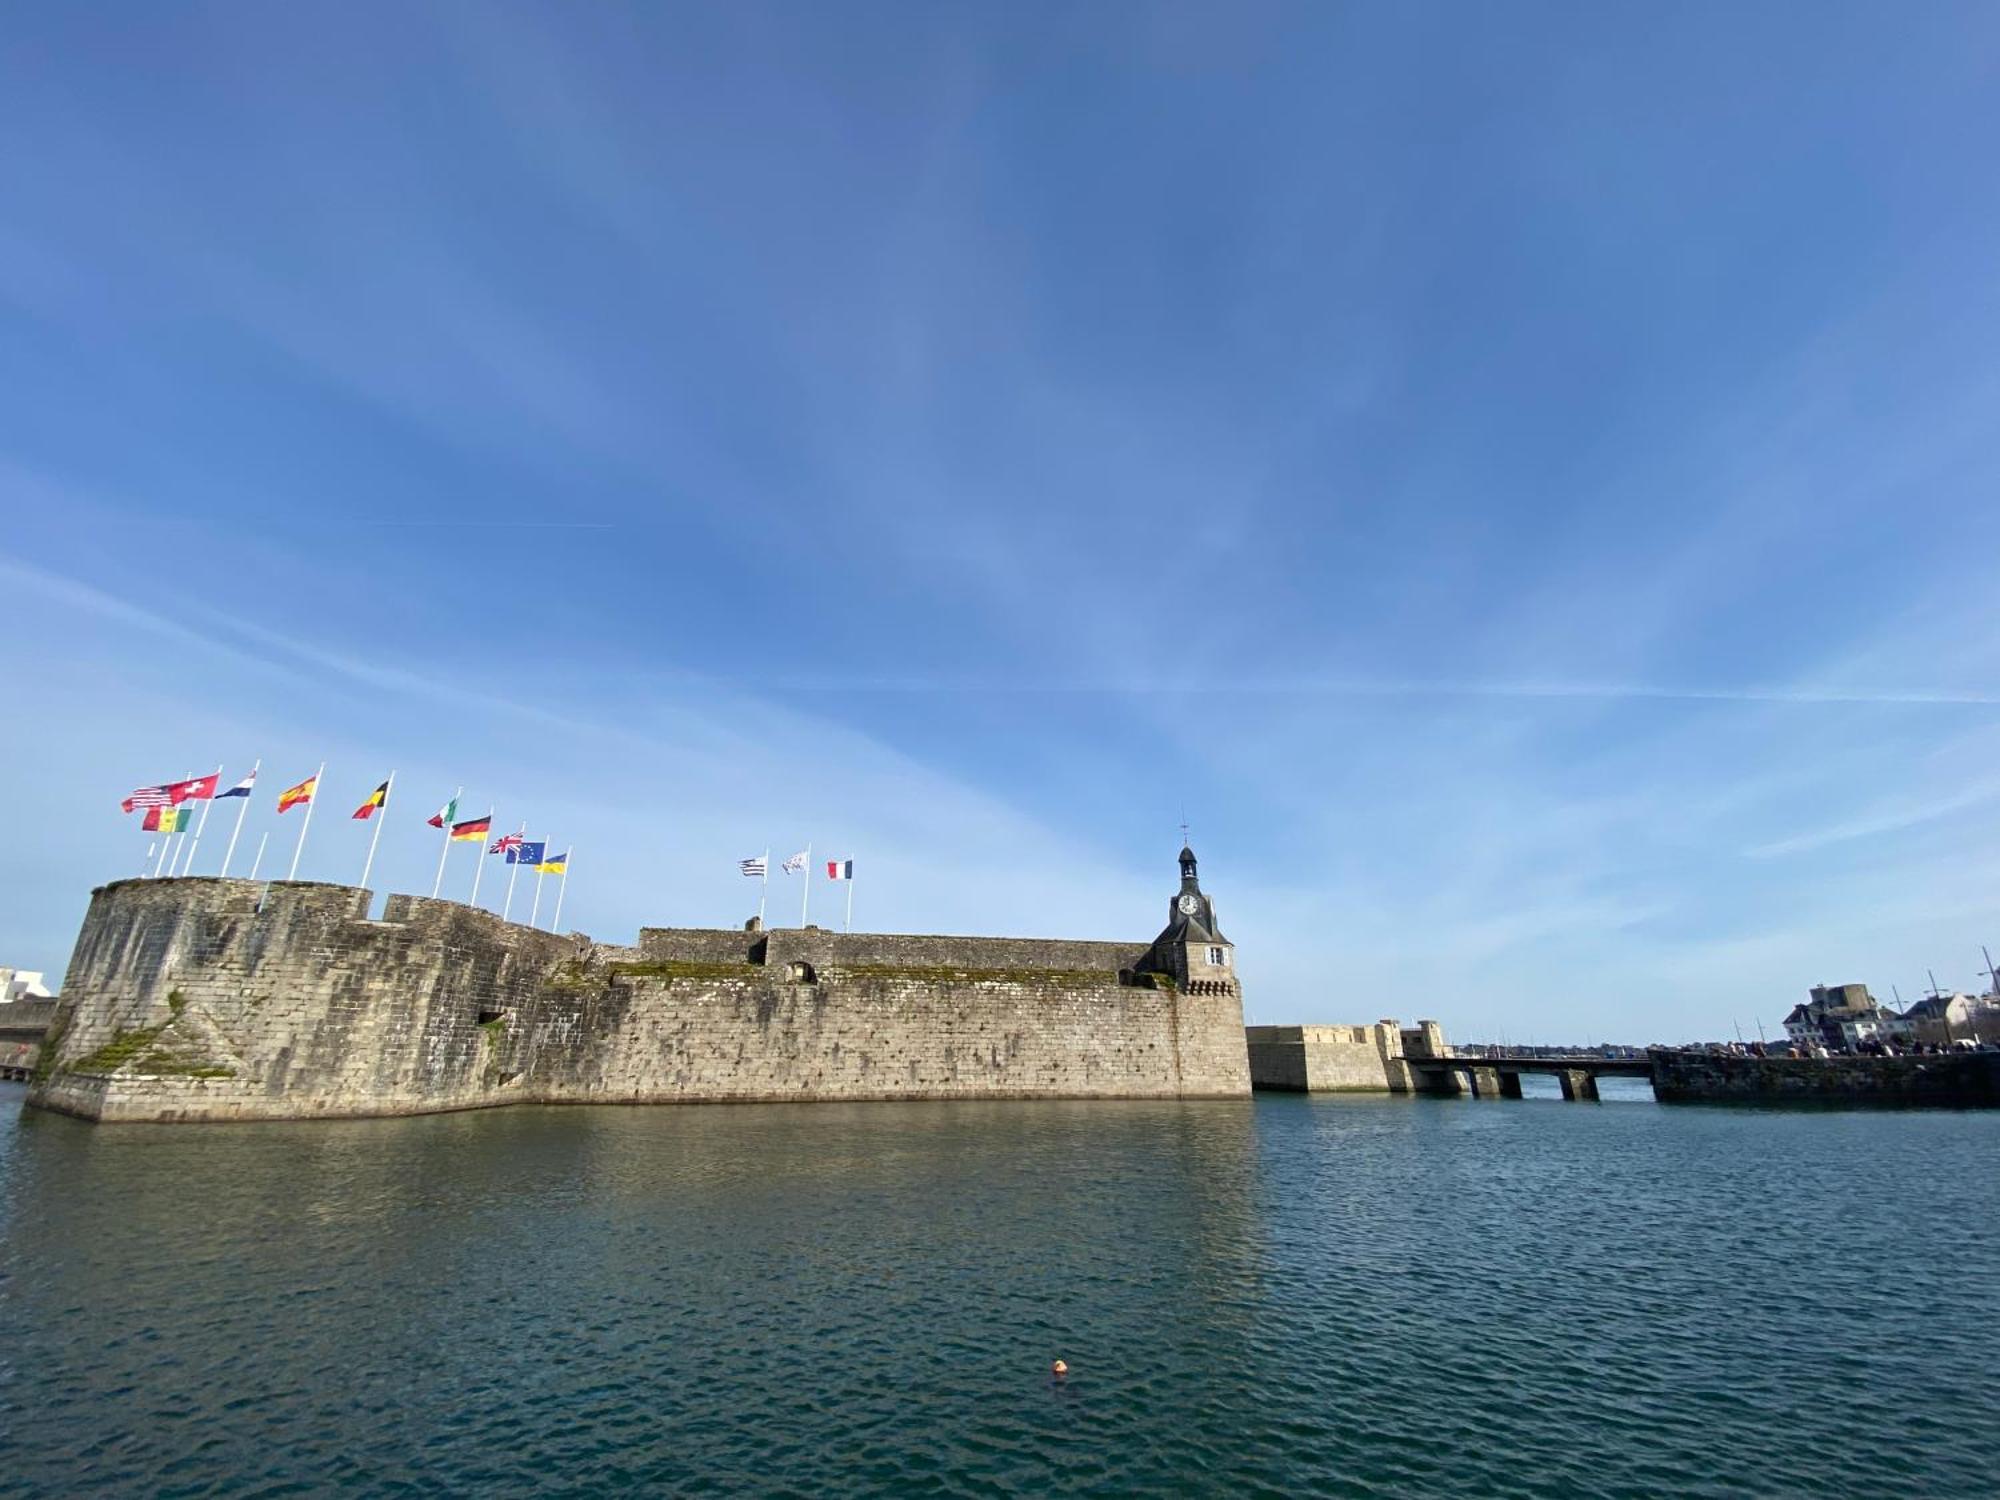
(167, 819)
(840, 869)
(444, 814)
(527, 853)
(377, 798)
(242, 788)
(474, 830)
(292, 796)
(797, 862)
(506, 844)
(201, 789)
(756, 868)
(149, 796)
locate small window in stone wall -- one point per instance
(802, 973)
(1219, 957)
(488, 1017)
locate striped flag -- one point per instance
(292, 796)
(242, 788)
(444, 814)
(149, 796)
(167, 819)
(377, 798)
(472, 831)
(840, 869)
(756, 868)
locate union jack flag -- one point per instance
(505, 842)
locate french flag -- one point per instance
(840, 869)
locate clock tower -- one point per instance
(1192, 949)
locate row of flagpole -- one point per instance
(164, 804)
(758, 868)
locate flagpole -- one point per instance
(535, 916)
(177, 841)
(805, 897)
(311, 802)
(200, 824)
(438, 884)
(479, 868)
(849, 927)
(160, 864)
(764, 889)
(147, 860)
(264, 839)
(230, 852)
(381, 817)
(562, 890)
(513, 872)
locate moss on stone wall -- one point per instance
(139, 1048)
(125, 1044)
(951, 974)
(683, 968)
(51, 1044)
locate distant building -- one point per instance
(1839, 1017)
(22, 984)
(1940, 1020)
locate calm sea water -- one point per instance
(1373, 1297)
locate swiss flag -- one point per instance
(201, 789)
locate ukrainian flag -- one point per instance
(557, 866)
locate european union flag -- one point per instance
(526, 854)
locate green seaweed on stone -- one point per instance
(125, 1044)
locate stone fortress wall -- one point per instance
(208, 999)
(1341, 1059)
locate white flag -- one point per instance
(797, 862)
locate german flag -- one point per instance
(474, 831)
(377, 798)
(292, 796)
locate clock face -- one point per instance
(1189, 905)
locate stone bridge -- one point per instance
(22, 1025)
(1500, 1077)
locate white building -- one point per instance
(22, 984)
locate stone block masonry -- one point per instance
(205, 999)
(1331, 1059)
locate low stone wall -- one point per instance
(203, 999)
(23, 1023)
(1965, 1080)
(1328, 1059)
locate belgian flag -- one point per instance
(377, 798)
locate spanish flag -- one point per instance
(474, 831)
(556, 866)
(377, 798)
(291, 797)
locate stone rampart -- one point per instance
(1328, 1059)
(204, 999)
(1953, 1081)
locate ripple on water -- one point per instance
(1373, 1297)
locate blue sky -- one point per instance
(1522, 478)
